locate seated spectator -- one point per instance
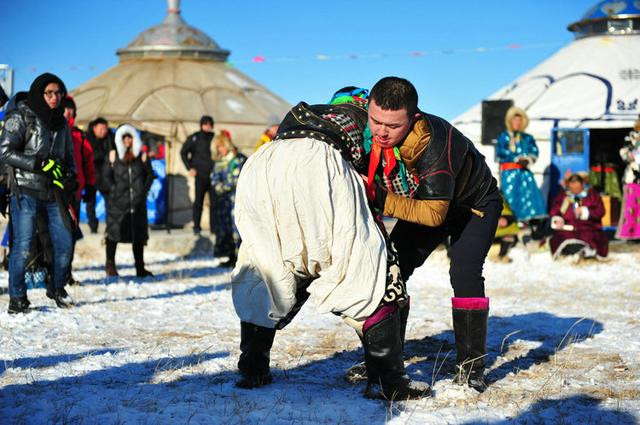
(506, 234)
(576, 215)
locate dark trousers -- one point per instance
(471, 238)
(90, 205)
(24, 211)
(203, 186)
(138, 253)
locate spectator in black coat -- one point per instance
(128, 174)
(197, 158)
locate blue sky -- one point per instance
(77, 40)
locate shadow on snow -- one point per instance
(312, 392)
(576, 409)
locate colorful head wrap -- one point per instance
(351, 94)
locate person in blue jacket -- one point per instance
(516, 151)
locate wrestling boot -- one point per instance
(383, 358)
(470, 320)
(255, 347)
(403, 310)
(358, 372)
(19, 305)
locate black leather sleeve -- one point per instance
(12, 142)
(440, 163)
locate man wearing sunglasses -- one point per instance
(35, 146)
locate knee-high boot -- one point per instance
(255, 347)
(470, 321)
(386, 374)
(110, 266)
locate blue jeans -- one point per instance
(24, 210)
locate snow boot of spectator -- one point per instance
(19, 305)
(62, 298)
(72, 281)
(384, 360)
(142, 272)
(110, 268)
(255, 347)
(470, 328)
(138, 255)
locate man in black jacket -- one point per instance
(437, 185)
(35, 143)
(196, 155)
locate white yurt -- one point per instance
(593, 83)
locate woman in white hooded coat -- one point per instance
(128, 175)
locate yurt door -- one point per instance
(569, 152)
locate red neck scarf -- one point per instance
(374, 162)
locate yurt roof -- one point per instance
(171, 75)
(593, 82)
(173, 38)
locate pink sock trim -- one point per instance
(470, 303)
(381, 313)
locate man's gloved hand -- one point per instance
(68, 182)
(54, 169)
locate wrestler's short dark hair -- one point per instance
(394, 93)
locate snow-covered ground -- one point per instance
(564, 348)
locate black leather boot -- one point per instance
(255, 347)
(138, 256)
(383, 357)
(110, 266)
(470, 328)
(19, 305)
(358, 372)
(62, 299)
(404, 317)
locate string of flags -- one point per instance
(321, 57)
(260, 59)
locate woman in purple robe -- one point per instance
(576, 221)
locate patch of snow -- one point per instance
(563, 348)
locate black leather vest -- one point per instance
(451, 168)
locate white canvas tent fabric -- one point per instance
(168, 96)
(593, 82)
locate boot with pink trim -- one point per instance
(470, 321)
(384, 361)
